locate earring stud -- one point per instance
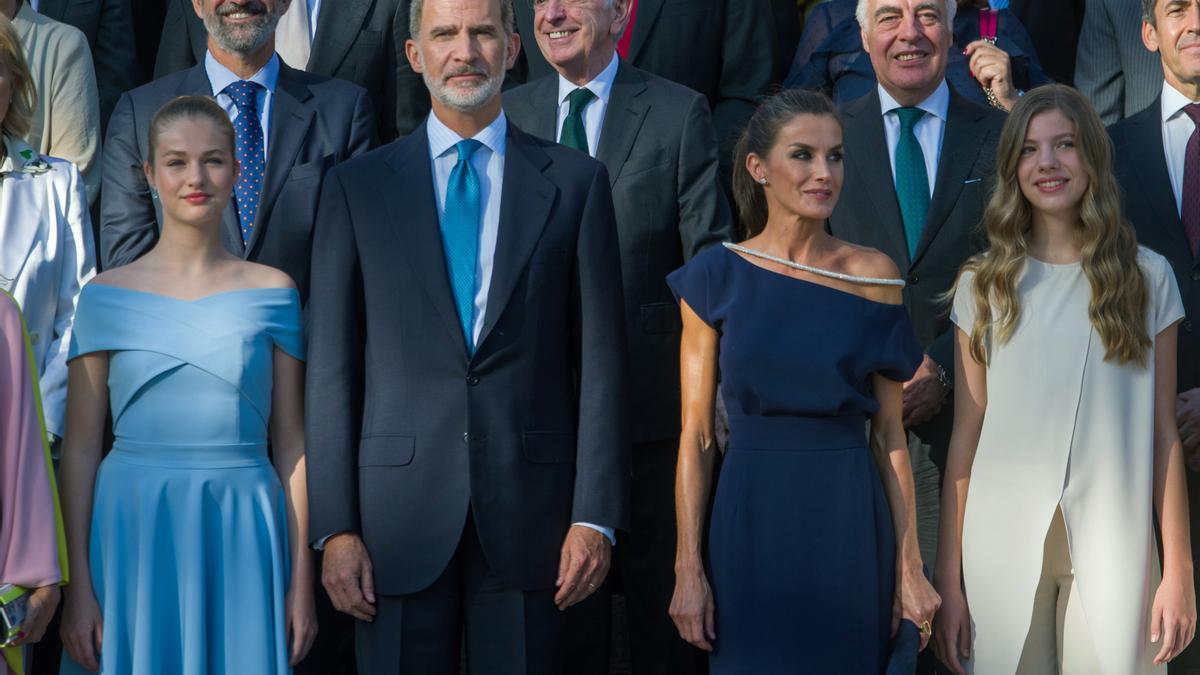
(762, 181)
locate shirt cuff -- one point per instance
(606, 531)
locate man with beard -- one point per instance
(291, 126)
(466, 374)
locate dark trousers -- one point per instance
(332, 652)
(507, 630)
(644, 570)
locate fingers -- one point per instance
(570, 581)
(367, 579)
(694, 613)
(710, 621)
(346, 585)
(583, 579)
(302, 636)
(964, 640)
(1168, 645)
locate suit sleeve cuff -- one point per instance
(606, 531)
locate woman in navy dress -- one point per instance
(812, 553)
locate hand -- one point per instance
(924, 394)
(301, 610)
(42, 602)
(82, 628)
(582, 565)
(693, 609)
(915, 600)
(990, 65)
(952, 630)
(1173, 617)
(1187, 416)
(348, 577)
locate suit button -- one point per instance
(913, 279)
(466, 437)
(1195, 276)
(1187, 325)
(472, 379)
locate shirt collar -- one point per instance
(220, 77)
(601, 85)
(938, 103)
(442, 138)
(1173, 102)
(20, 158)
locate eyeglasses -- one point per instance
(569, 4)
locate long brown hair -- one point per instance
(1117, 309)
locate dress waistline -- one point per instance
(190, 455)
(797, 434)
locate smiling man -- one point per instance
(656, 139)
(919, 160)
(1158, 166)
(466, 397)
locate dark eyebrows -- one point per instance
(805, 146)
(443, 30)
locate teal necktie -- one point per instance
(912, 183)
(460, 235)
(573, 134)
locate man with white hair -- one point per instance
(919, 161)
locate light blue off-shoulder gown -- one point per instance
(189, 539)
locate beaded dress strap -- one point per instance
(814, 270)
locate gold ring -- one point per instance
(592, 586)
(926, 629)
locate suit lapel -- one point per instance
(543, 108)
(868, 153)
(960, 149)
(291, 116)
(196, 83)
(525, 204)
(1146, 139)
(412, 215)
(647, 14)
(622, 120)
(336, 33)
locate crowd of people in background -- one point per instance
(406, 336)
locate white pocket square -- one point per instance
(971, 180)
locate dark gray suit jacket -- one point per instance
(868, 213)
(1113, 68)
(360, 41)
(658, 145)
(316, 122)
(108, 27)
(406, 431)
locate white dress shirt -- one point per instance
(268, 78)
(46, 256)
(488, 161)
(929, 130)
(1177, 128)
(593, 112)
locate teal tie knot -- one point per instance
(909, 117)
(466, 149)
(579, 100)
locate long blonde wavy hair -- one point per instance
(1117, 309)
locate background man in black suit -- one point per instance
(107, 25)
(466, 374)
(1158, 165)
(656, 139)
(360, 41)
(724, 49)
(1112, 68)
(918, 163)
(310, 123)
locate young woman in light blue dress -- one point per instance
(187, 542)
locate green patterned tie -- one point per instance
(573, 134)
(912, 183)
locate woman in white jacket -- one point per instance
(46, 250)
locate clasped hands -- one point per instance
(349, 577)
(924, 394)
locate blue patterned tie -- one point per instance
(248, 137)
(460, 235)
(912, 182)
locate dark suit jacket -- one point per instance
(405, 430)
(107, 24)
(658, 145)
(316, 122)
(360, 41)
(1054, 29)
(723, 49)
(1141, 167)
(1114, 69)
(868, 213)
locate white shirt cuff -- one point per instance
(606, 531)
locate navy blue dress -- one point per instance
(801, 545)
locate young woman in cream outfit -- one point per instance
(1067, 338)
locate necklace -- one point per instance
(814, 270)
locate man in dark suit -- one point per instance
(1054, 28)
(1157, 163)
(1112, 68)
(107, 25)
(466, 374)
(918, 163)
(656, 139)
(723, 49)
(306, 124)
(360, 41)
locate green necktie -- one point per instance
(912, 183)
(573, 134)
